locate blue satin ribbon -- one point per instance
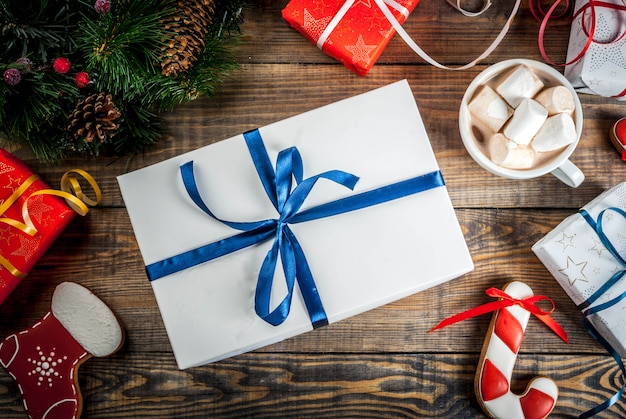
(597, 227)
(587, 310)
(287, 199)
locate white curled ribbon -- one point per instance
(385, 6)
(457, 5)
(344, 9)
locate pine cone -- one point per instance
(94, 117)
(190, 24)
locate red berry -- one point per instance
(61, 65)
(102, 6)
(12, 76)
(82, 79)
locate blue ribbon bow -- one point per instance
(287, 199)
(587, 310)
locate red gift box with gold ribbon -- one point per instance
(353, 32)
(32, 215)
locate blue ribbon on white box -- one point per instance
(597, 227)
(287, 199)
(588, 310)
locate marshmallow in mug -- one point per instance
(527, 120)
(557, 132)
(541, 120)
(521, 84)
(556, 99)
(489, 107)
(507, 153)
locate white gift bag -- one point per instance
(602, 68)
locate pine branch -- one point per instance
(211, 68)
(141, 128)
(228, 17)
(119, 51)
(38, 109)
(40, 29)
(122, 47)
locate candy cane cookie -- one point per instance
(492, 383)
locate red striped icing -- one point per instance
(493, 383)
(536, 404)
(509, 330)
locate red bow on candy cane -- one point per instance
(505, 300)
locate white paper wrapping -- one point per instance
(602, 70)
(359, 260)
(579, 261)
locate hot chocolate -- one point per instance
(522, 119)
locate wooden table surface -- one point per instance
(380, 364)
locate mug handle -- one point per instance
(569, 174)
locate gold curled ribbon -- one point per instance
(71, 191)
(74, 195)
(12, 269)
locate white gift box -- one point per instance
(578, 258)
(359, 260)
(602, 69)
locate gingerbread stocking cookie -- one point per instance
(44, 359)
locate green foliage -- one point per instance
(36, 110)
(39, 29)
(120, 51)
(228, 16)
(212, 67)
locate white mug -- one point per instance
(560, 166)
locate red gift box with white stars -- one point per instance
(19, 251)
(358, 39)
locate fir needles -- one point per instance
(61, 58)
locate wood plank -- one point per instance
(441, 31)
(322, 385)
(271, 88)
(101, 253)
(240, 107)
(382, 363)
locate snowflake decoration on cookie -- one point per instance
(44, 367)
